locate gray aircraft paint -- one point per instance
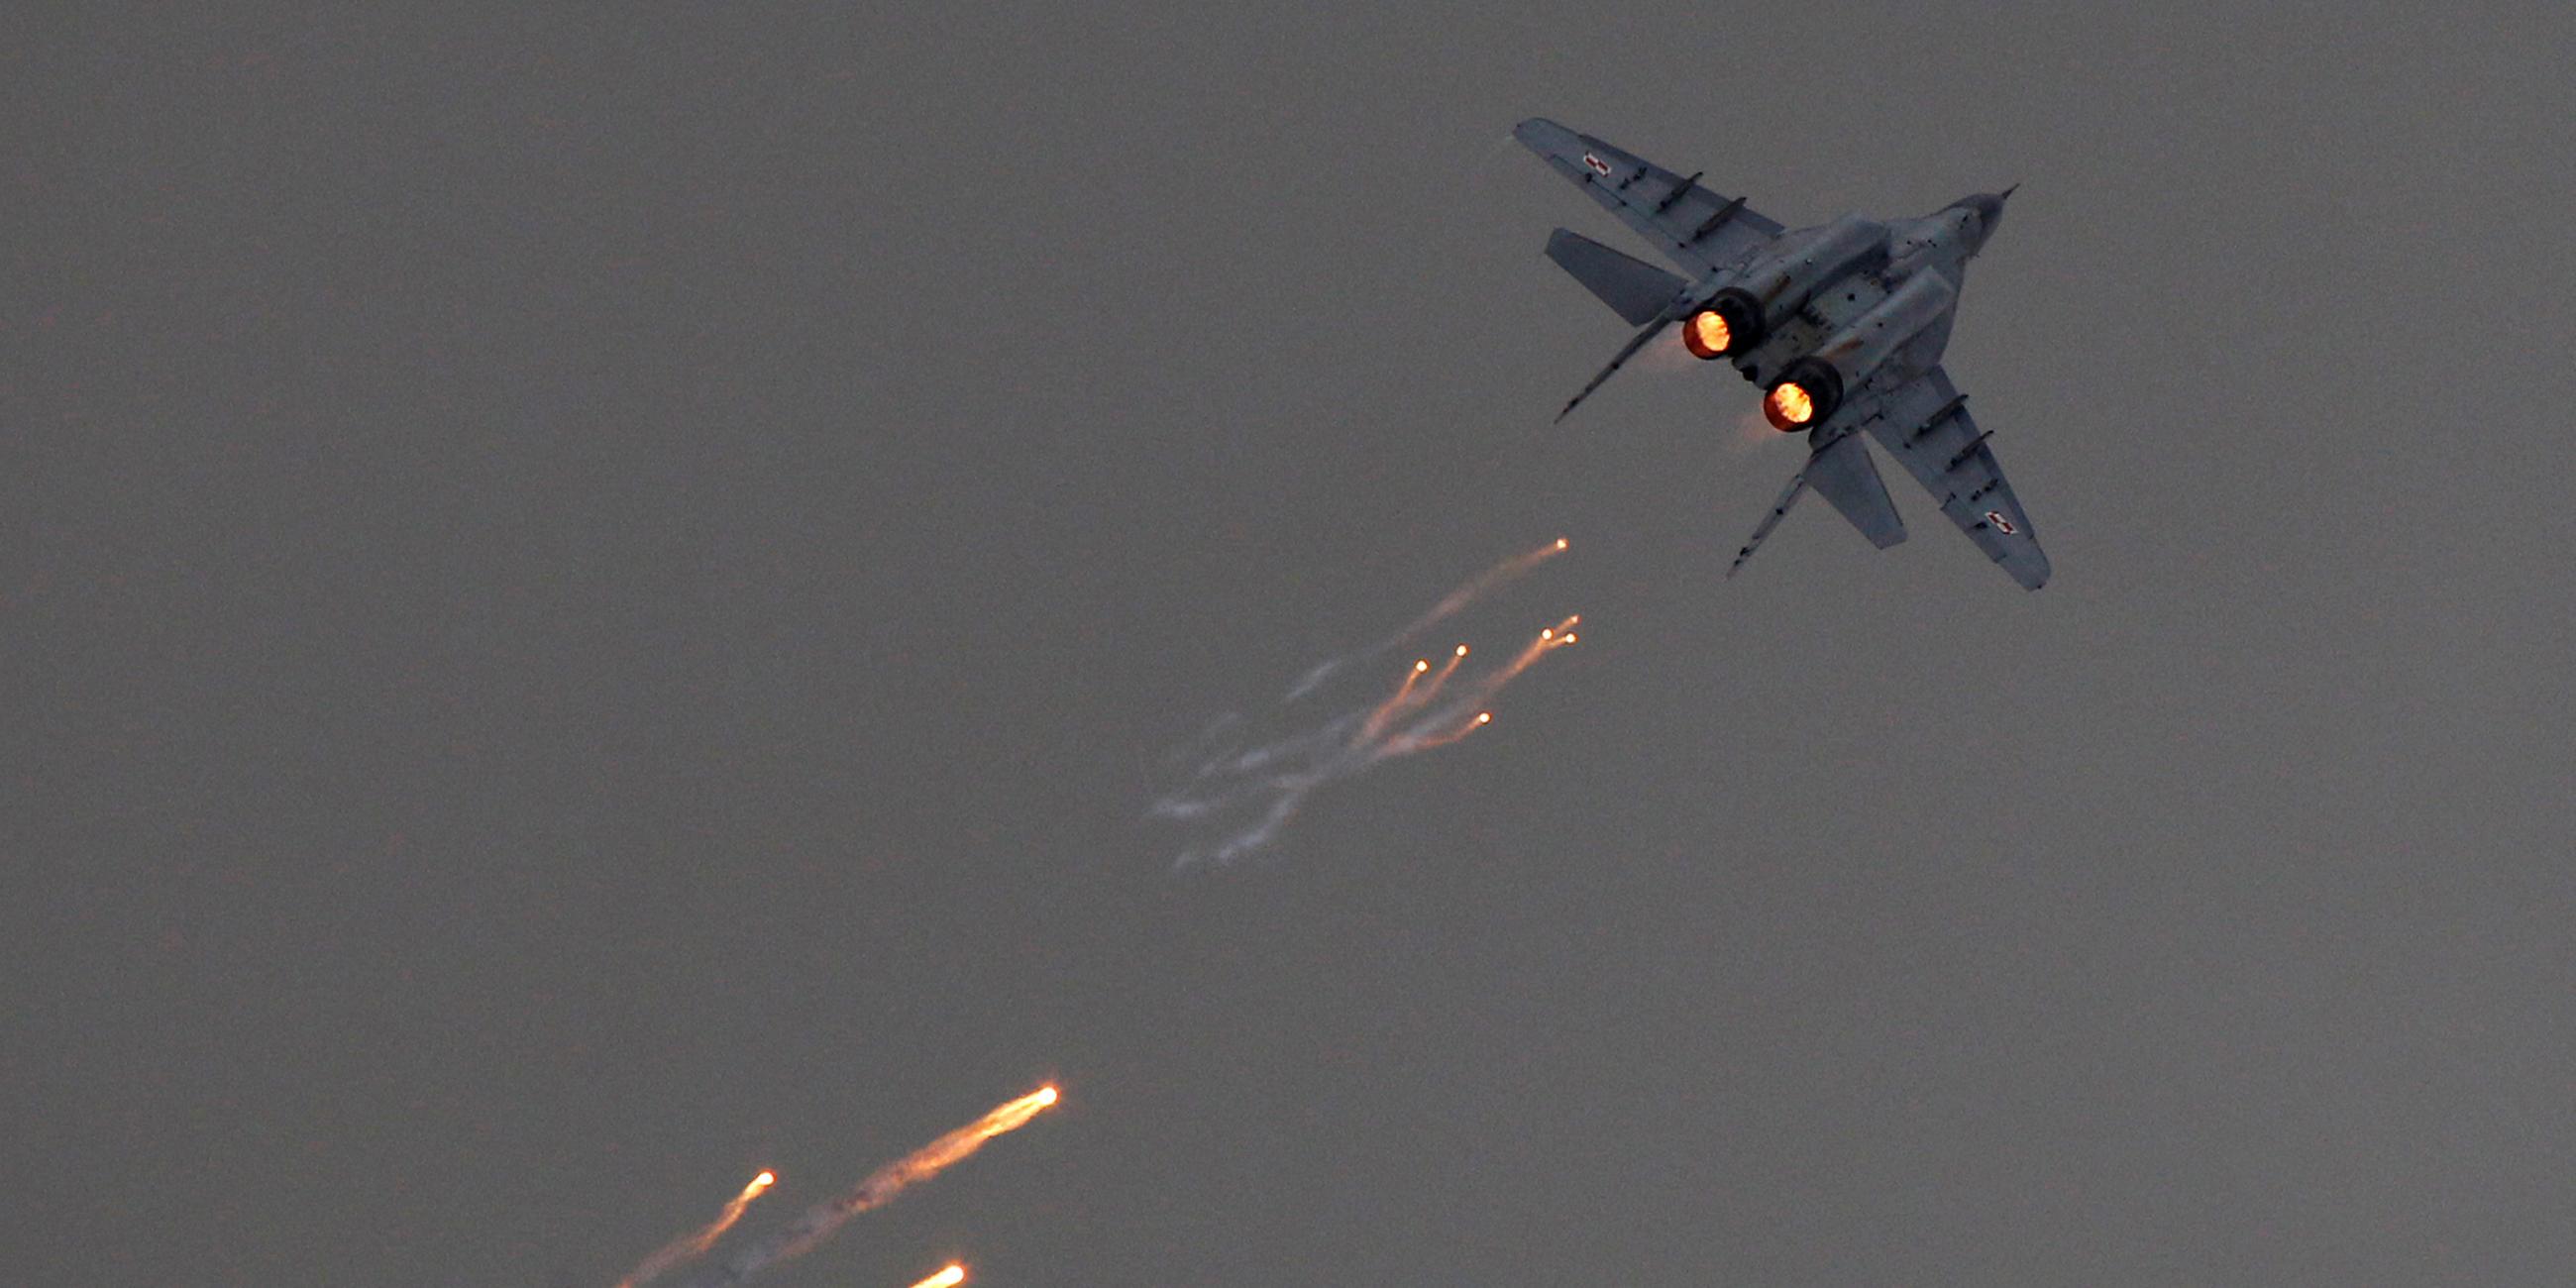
(1871, 302)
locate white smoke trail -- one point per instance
(1256, 791)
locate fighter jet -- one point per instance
(1842, 325)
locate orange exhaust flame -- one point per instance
(1706, 335)
(1789, 407)
(948, 1278)
(696, 1242)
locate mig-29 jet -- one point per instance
(1842, 325)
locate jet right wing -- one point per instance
(1692, 226)
(1925, 426)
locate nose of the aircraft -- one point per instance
(1990, 211)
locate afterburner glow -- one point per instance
(1789, 407)
(1706, 335)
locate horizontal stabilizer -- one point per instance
(1842, 473)
(1634, 289)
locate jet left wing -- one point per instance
(1692, 226)
(1924, 424)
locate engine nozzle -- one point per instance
(1805, 396)
(1730, 323)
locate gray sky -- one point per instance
(591, 601)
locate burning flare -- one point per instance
(880, 1187)
(696, 1242)
(1485, 582)
(1253, 791)
(948, 1278)
(1548, 641)
(1456, 601)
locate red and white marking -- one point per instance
(1596, 165)
(2001, 524)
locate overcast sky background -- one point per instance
(591, 601)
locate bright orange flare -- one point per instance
(1482, 719)
(1441, 677)
(948, 1278)
(1789, 407)
(1560, 543)
(696, 1242)
(881, 1186)
(939, 1155)
(1553, 637)
(1407, 698)
(1395, 703)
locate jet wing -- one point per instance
(1924, 424)
(1694, 227)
